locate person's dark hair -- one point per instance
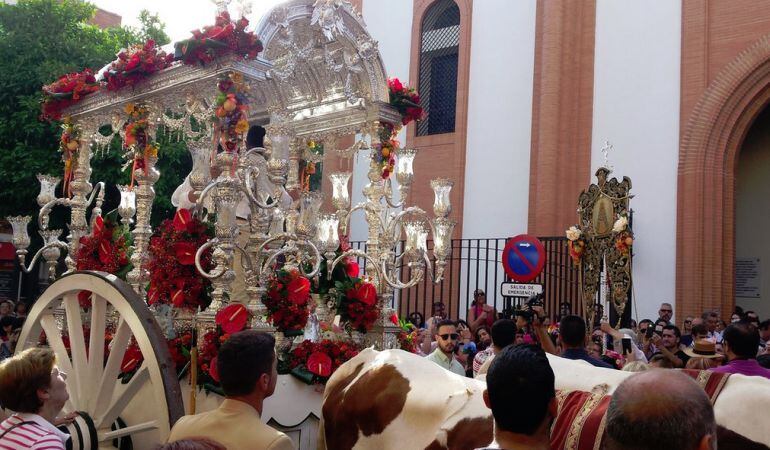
(677, 331)
(445, 323)
(572, 330)
(677, 416)
(462, 322)
(417, 319)
(738, 310)
(255, 137)
(742, 338)
(663, 362)
(707, 314)
(520, 375)
(764, 360)
(242, 359)
(503, 333)
(645, 321)
(699, 329)
(6, 321)
(764, 325)
(193, 444)
(478, 330)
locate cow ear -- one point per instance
(485, 394)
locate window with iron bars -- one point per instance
(439, 50)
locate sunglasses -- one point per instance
(448, 336)
(688, 321)
(666, 310)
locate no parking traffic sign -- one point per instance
(523, 258)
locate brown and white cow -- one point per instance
(397, 400)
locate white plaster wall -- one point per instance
(390, 23)
(752, 214)
(496, 196)
(636, 108)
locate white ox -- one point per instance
(396, 400)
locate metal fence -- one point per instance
(477, 264)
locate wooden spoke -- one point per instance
(148, 404)
(77, 346)
(109, 378)
(53, 335)
(138, 428)
(119, 403)
(96, 344)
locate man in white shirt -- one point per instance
(447, 337)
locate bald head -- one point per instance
(660, 410)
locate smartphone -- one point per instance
(650, 330)
(659, 330)
(626, 342)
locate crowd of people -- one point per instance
(705, 342)
(12, 318)
(509, 353)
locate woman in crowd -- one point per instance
(32, 386)
(480, 312)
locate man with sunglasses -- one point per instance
(447, 338)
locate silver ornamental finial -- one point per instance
(606, 151)
(244, 7)
(221, 5)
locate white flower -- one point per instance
(573, 234)
(620, 224)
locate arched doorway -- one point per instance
(709, 149)
(752, 219)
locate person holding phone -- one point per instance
(668, 345)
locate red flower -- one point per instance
(131, 359)
(320, 364)
(395, 85)
(298, 290)
(367, 294)
(84, 299)
(185, 253)
(233, 318)
(182, 220)
(152, 295)
(105, 251)
(98, 226)
(394, 319)
(351, 268)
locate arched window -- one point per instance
(439, 50)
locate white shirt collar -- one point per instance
(46, 425)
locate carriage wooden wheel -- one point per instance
(114, 414)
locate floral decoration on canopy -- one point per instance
(137, 146)
(287, 299)
(232, 111)
(136, 64)
(315, 362)
(357, 304)
(68, 90)
(407, 102)
(106, 249)
(576, 244)
(214, 41)
(69, 143)
(624, 237)
(174, 279)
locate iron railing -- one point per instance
(477, 264)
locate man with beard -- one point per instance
(447, 337)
